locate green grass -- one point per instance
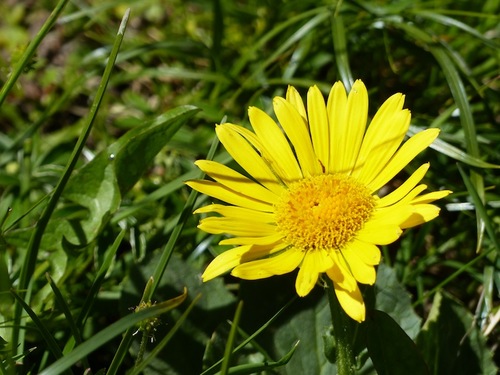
(95, 216)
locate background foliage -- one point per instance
(95, 216)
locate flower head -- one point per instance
(310, 198)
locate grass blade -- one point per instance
(42, 329)
(449, 21)
(458, 92)
(166, 339)
(96, 285)
(35, 240)
(160, 268)
(30, 51)
(230, 341)
(340, 48)
(110, 332)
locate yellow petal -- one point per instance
(337, 117)
(357, 114)
(405, 188)
(275, 147)
(340, 273)
(294, 98)
(231, 258)
(382, 129)
(238, 213)
(352, 302)
(362, 272)
(379, 234)
(219, 225)
(259, 240)
(280, 264)
(392, 215)
(431, 197)
(422, 214)
(247, 134)
(347, 117)
(367, 252)
(246, 156)
(296, 130)
(218, 191)
(314, 263)
(411, 148)
(318, 126)
(379, 146)
(236, 181)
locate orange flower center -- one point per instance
(323, 212)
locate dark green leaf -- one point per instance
(307, 326)
(139, 146)
(100, 184)
(451, 343)
(391, 350)
(394, 299)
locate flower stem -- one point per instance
(342, 332)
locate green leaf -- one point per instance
(100, 184)
(394, 299)
(391, 350)
(450, 341)
(212, 346)
(138, 147)
(94, 187)
(307, 326)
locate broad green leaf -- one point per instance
(94, 187)
(451, 343)
(99, 185)
(140, 145)
(392, 298)
(308, 326)
(391, 350)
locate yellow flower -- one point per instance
(310, 199)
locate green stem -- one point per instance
(30, 51)
(342, 332)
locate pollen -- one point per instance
(323, 212)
